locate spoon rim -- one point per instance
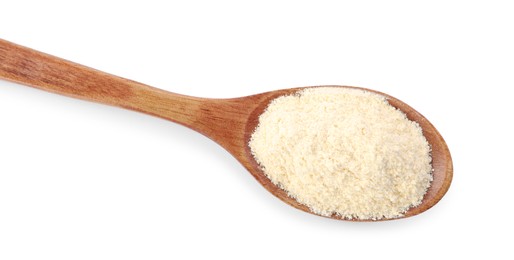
(442, 165)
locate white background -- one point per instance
(80, 180)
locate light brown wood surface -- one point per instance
(229, 122)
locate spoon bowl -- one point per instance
(229, 122)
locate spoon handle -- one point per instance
(33, 68)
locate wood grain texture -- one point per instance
(229, 122)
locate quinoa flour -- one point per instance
(343, 151)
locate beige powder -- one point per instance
(343, 151)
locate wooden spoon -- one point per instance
(229, 122)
